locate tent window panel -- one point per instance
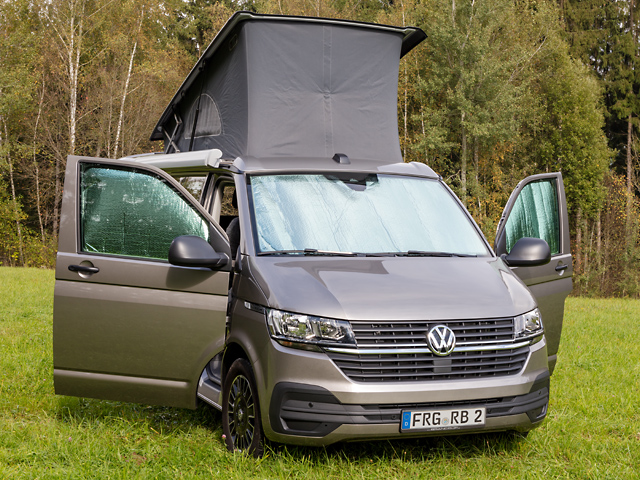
(209, 121)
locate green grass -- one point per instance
(592, 430)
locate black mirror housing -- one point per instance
(193, 251)
(528, 252)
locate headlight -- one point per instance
(295, 327)
(527, 324)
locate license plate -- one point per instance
(425, 420)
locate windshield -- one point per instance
(359, 213)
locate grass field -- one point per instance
(592, 430)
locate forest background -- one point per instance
(500, 89)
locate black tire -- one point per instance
(241, 422)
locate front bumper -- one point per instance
(306, 399)
(315, 416)
(298, 412)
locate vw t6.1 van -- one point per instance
(320, 289)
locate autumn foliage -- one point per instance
(501, 89)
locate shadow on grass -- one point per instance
(418, 449)
(167, 420)
(177, 421)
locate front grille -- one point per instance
(416, 363)
(426, 366)
(414, 333)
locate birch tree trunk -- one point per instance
(406, 112)
(74, 48)
(599, 238)
(476, 168)
(69, 32)
(424, 133)
(453, 12)
(406, 135)
(463, 162)
(599, 256)
(579, 241)
(630, 172)
(56, 198)
(126, 88)
(124, 98)
(16, 211)
(630, 193)
(35, 164)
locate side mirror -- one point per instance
(193, 251)
(528, 252)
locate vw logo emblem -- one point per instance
(441, 340)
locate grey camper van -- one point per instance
(320, 289)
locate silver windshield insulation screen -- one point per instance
(360, 213)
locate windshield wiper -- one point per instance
(309, 251)
(422, 253)
(409, 253)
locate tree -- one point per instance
(603, 35)
(194, 23)
(15, 104)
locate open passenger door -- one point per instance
(128, 324)
(538, 208)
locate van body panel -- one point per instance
(132, 318)
(550, 284)
(275, 165)
(136, 331)
(551, 297)
(295, 365)
(125, 388)
(143, 330)
(143, 274)
(361, 433)
(393, 288)
(298, 367)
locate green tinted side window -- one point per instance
(535, 214)
(133, 213)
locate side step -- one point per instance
(209, 385)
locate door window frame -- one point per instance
(563, 221)
(217, 237)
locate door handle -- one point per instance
(559, 268)
(83, 269)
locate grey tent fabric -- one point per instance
(272, 86)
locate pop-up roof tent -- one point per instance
(282, 86)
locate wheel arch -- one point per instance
(231, 354)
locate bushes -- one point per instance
(606, 249)
(26, 250)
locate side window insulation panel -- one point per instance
(133, 213)
(535, 214)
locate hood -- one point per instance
(392, 288)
